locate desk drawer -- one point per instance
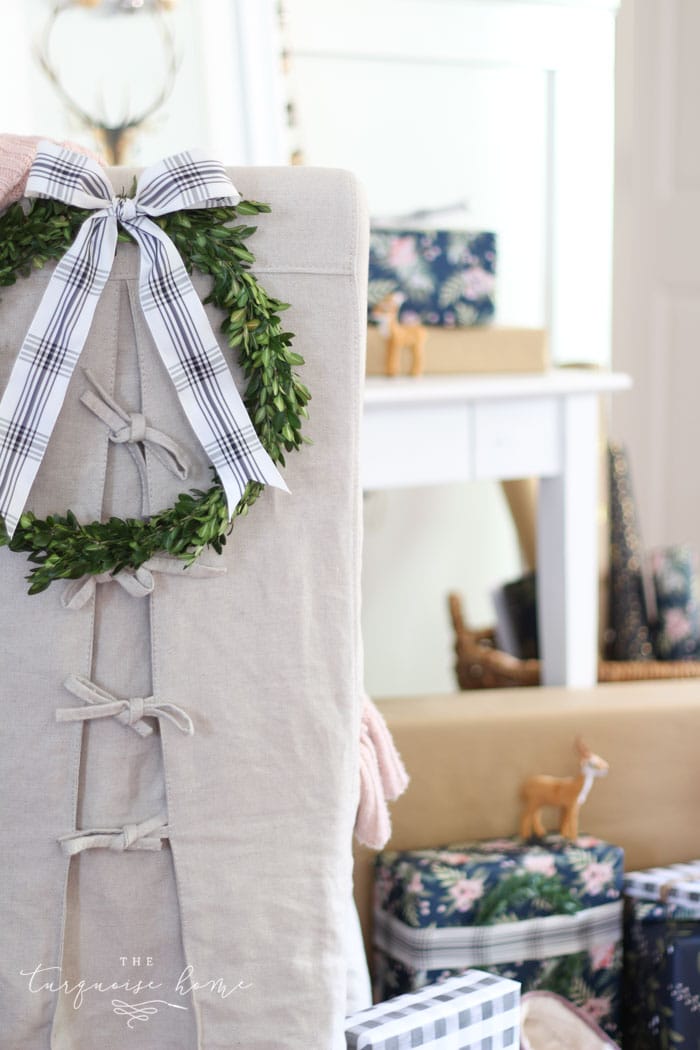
(517, 438)
(415, 445)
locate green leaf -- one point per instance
(60, 547)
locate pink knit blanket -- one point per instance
(382, 778)
(17, 154)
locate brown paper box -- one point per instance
(484, 348)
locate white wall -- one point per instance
(657, 263)
(419, 546)
(506, 104)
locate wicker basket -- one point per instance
(480, 665)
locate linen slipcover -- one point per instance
(251, 887)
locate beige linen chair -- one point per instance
(251, 887)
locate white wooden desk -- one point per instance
(435, 429)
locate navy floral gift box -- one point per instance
(445, 277)
(661, 998)
(546, 913)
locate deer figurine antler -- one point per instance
(566, 793)
(113, 135)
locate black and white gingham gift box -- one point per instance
(474, 1011)
(677, 884)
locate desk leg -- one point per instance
(567, 552)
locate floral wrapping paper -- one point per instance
(487, 886)
(661, 987)
(677, 628)
(447, 277)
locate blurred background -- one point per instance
(493, 114)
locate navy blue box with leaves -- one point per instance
(445, 277)
(547, 913)
(661, 988)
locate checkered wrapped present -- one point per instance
(547, 914)
(677, 885)
(661, 988)
(475, 1011)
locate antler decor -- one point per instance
(113, 137)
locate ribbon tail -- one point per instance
(197, 367)
(234, 486)
(37, 387)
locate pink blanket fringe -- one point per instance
(382, 778)
(17, 154)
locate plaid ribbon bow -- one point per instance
(182, 334)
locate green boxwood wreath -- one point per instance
(60, 547)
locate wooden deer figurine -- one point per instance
(398, 336)
(567, 793)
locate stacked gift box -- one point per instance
(661, 1002)
(446, 279)
(475, 1011)
(654, 609)
(547, 914)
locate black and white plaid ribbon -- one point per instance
(457, 947)
(182, 334)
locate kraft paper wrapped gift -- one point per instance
(475, 1011)
(446, 277)
(464, 351)
(547, 914)
(661, 999)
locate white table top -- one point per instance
(381, 390)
